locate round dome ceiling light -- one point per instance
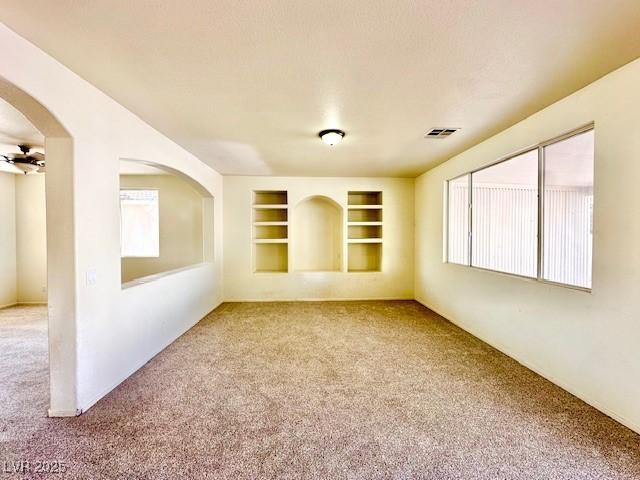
(332, 136)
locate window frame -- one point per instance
(540, 148)
(157, 190)
(446, 213)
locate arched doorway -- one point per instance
(61, 286)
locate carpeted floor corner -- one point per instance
(354, 390)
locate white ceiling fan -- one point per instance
(24, 161)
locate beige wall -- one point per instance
(31, 239)
(584, 342)
(8, 281)
(394, 281)
(23, 239)
(180, 226)
(100, 333)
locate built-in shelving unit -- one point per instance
(364, 224)
(271, 231)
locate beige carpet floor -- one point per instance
(358, 390)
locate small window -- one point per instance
(458, 220)
(139, 223)
(568, 210)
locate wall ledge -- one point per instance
(161, 275)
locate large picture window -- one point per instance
(498, 219)
(140, 223)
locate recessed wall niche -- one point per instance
(270, 231)
(364, 231)
(317, 235)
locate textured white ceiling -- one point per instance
(246, 85)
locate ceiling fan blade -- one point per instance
(37, 156)
(15, 156)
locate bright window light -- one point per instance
(568, 210)
(505, 216)
(458, 216)
(139, 223)
(498, 219)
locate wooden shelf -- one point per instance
(365, 257)
(270, 197)
(270, 215)
(357, 232)
(270, 240)
(271, 224)
(360, 197)
(268, 205)
(364, 215)
(364, 224)
(365, 240)
(266, 232)
(271, 257)
(365, 207)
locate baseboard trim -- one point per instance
(350, 299)
(108, 390)
(17, 304)
(63, 413)
(534, 368)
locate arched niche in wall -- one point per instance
(317, 235)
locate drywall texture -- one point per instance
(100, 333)
(180, 208)
(395, 280)
(585, 342)
(8, 281)
(31, 239)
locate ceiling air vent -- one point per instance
(440, 132)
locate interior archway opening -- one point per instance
(37, 323)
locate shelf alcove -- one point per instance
(364, 231)
(317, 235)
(270, 231)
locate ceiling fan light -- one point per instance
(26, 167)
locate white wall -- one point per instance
(395, 280)
(100, 333)
(584, 342)
(180, 209)
(31, 239)
(8, 281)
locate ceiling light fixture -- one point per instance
(25, 161)
(331, 136)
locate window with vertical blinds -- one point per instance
(498, 219)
